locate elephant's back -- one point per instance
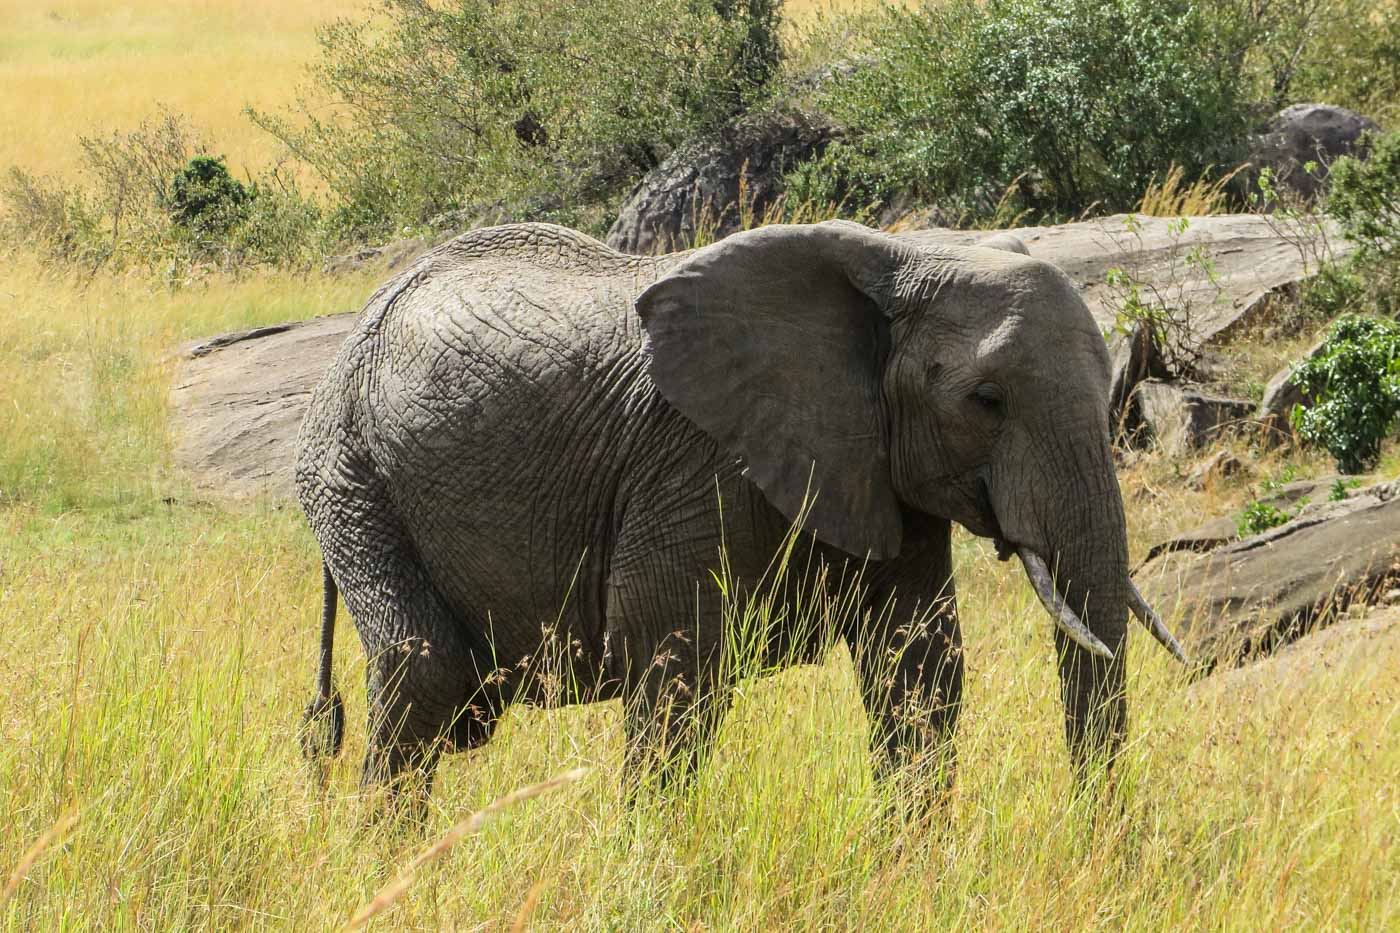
(538, 295)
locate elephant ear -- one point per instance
(773, 342)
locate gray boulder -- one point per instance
(1342, 653)
(1134, 358)
(1252, 596)
(242, 397)
(1281, 395)
(1303, 133)
(1180, 418)
(710, 184)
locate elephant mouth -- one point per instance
(988, 517)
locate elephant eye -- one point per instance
(988, 395)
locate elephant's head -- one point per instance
(880, 377)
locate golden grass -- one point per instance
(1169, 197)
(79, 67)
(157, 652)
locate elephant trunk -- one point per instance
(1092, 682)
(1082, 579)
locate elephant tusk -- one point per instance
(1153, 623)
(1055, 604)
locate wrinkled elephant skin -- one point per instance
(524, 462)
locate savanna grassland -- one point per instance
(157, 649)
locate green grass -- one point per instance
(157, 651)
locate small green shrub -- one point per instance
(1364, 197)
(205, 198)
(154, 197)
(1280, 479)
(1341, 489)
(1077, 103)
(1356, 380)
(1260, 516)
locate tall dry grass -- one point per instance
(1171, 196)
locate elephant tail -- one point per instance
(323, 723)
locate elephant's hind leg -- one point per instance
(664, 651)
(427, 689)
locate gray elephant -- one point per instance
(527, 428)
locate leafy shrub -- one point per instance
(1341, 489)
(1259, 516)
(540, 108)
(1355, 378)
(1078, 103)
(205, 197)
(1364, 197)
(56, 219)
(154, 197)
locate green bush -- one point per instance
(1355, 378)
(1364, 198)
(1341, 489)
(1073, 103)
(1259, 516)
(543, 108)
(154, 197)
(205, 198)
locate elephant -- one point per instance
(529, 432)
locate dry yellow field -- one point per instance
(72, 67)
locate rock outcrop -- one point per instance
(1281, 396)
(1304, 134)
(707, 187)
(1337, 653)
(239, 399)
(1182, 418)
(1250, 596)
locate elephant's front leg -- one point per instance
(908, 657)
(664, 619)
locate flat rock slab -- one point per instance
(1339, 653)
(238, 399)
(1290, 497)
(1249, 597)
(1180, 419)
(1251, 260)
